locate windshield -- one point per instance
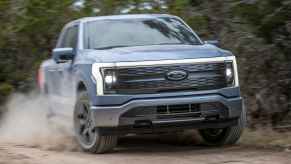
(106, 34)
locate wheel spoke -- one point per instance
(85, 131)
(92, 132)
(83, 115)
(82, 122)
(84, 111)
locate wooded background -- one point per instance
(258, 32)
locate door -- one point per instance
(63, 75)
(65, 69)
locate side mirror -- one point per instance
(213, 42)
(62, 55)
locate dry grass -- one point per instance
(267, 138)
(260, 138)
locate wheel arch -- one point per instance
(84, 84)
(81, 86)
(84, 81)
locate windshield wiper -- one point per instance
(175, 44)
(119, 46)
(110, 47)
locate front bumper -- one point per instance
(109, 116)
(166, 127)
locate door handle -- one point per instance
(52, 70)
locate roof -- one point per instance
(119, 17)
(125, 16)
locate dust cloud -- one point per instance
(26, 123)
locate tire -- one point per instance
(86, 134)
(227, 136)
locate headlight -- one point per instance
(109, 78)
(229, 73)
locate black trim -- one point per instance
(165, 127)
(155, 79)
(157, 98)
(118, 99)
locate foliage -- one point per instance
(5, 89)
(258, 32)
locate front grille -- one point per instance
(201, 110)
(172, 109)
(152, 79)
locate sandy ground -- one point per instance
(142, 151)
(27, 137)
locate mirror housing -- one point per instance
(62, 55)
(213, 42)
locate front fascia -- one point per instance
(96, 67)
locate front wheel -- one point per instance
(86, 133)
(226, 136)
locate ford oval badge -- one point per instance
(177, 75)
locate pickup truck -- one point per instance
(140, 74)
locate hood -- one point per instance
(154, 53)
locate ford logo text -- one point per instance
(177, 75)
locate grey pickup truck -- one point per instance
(140, 74)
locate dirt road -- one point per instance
(27, 137)
(139, 151)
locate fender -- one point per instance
(84, 75)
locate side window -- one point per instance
(70, 38)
